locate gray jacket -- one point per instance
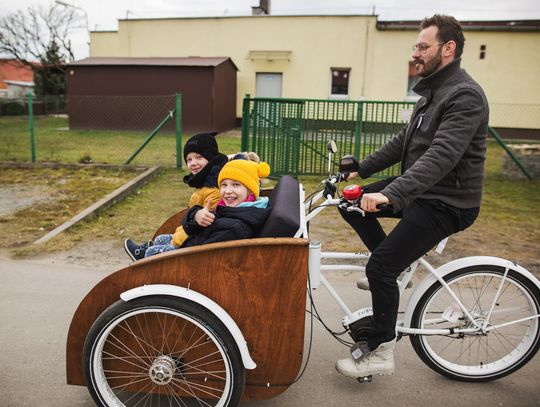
(442, 150)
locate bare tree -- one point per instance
(39, 38)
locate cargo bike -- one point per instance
(216, 324)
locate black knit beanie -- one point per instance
(204, 144)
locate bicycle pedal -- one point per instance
(364, 379)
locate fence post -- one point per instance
(514, 158)
(296, 136)
(179, 155)
(359, 129)
(245, 123)
(31, 127)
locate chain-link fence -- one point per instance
(291, 134)
(96, 129)
(45, 105)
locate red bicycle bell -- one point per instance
(352, 192)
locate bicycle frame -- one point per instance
(403, 326)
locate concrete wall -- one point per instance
(378, 59)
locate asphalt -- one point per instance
(38, 299)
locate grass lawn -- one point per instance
(508, 225)
(55, 142)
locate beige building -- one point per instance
(342, 57)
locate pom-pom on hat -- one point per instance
(204, 144)
(248, 173)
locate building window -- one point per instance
(413, 79)
(340, 81)
(482, 51)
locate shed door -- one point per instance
(269, 85)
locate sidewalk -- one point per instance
(37, 301)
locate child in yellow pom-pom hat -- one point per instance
(240, 213)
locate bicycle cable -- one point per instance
(334, 334)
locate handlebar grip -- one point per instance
(383, 207)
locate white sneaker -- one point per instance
(363, 283)
(378, 362)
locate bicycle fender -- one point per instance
(456, 265)
(210, 305)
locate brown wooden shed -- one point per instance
(137, 93)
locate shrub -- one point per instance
(12, 109)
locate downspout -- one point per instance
(362, 94)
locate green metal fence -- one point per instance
(292, 134)
(139, 130)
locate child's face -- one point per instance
(195, 162)
(233, 192)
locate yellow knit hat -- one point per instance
(246, 172)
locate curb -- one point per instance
(109, 200)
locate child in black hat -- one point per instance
(204, 162)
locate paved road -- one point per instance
(37, 302)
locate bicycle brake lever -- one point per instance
(353, 208)
(356, 209)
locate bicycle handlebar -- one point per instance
(330, 190)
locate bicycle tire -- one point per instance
(161, 350)
(479, 358)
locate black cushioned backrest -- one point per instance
(284, 217)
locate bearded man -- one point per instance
(442, 154)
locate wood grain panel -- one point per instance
(170, 225)
(261, 283)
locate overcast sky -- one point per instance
(103, 14)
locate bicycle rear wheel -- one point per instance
(162, 351)
(512, 336)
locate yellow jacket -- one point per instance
(200, 197)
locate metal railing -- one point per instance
(292, 134)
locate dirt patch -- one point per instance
(36, 200)
(97, 255)
(98, 244)
(335, 235)
(16, 197)
(478, 240)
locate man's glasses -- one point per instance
(422, 47)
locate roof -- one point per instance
(188, 61)
(20, 83)
(506, 25)
(13, 70)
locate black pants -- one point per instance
(423, 224)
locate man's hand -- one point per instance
(370, 201)
(351, 175)
(204, 217)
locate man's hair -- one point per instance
(449, 30)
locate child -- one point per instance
(245, 155)
(240, 213)
(204, 161)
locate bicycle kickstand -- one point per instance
(364, 379)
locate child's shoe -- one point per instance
(134, 250)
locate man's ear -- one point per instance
(449, 48)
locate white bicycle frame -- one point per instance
(403, 326)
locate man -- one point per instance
(442, 153)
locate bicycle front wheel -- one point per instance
(162, 351)
(511, 307)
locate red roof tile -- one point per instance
(13, 70)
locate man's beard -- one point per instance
(431, 66)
